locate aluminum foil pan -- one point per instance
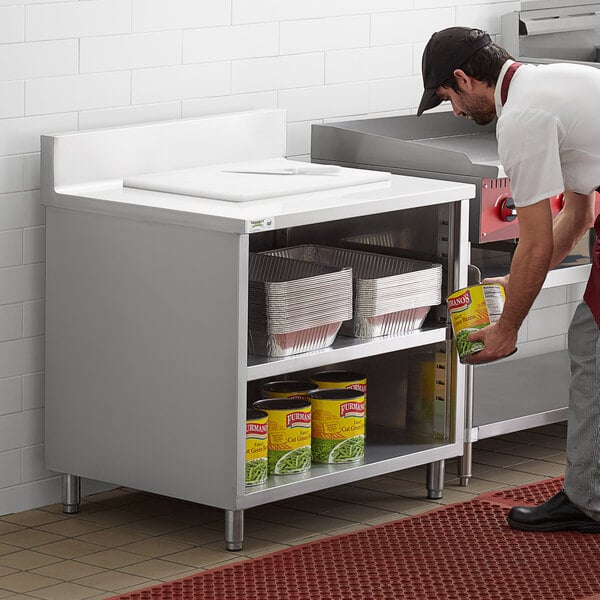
(295, 306)
(382, 286)
(394, 323)
(295, 342)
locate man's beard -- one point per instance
(480, 112)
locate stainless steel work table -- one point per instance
(147, 368)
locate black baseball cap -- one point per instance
(445, 51)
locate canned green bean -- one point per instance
(338, 430)
(349, 380)
(289, 434)
(471, 309)
(257, 446)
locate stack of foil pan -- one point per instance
(295, 306)
(391, 295)
(394, 243)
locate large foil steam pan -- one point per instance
(391, 295)
(295, 306)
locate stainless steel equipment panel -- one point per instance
(548, 31)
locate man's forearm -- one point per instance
(528, 271)
(571, 224)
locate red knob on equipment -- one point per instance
(508, 212)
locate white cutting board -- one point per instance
(215, 182)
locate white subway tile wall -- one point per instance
(75, 65)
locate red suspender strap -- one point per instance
(506, 81)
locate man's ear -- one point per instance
(462, 79)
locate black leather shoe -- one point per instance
(556, 514)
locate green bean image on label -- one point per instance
(256, 471)
(295, 461)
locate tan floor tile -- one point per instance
(508, 477)
(542, 468)
(534, 452)
(282, 534)
(113, 580)
(114, 536)
(495, 459)
(72, 527)
(13, 596)
(25, 582)
(25, 560)
(28, 538)
(391, 518)
(323, 523)
(453, 495)
(112, 559)
(196, 535)
(156, 526)
(391, 485)
(6, 527)
(7, 549)
(155, 507)
(156, 568)
(69, 548)
(85, 508)
(355, 495)
(475, 486)
(200, 557)
(397, 504)
(135, 588)
(32, 518)
(121, 495)
(65, 591)
(6, 571)
(275, 514)
(313, 503)
(419, 510)
(110, 518)
(155, 547)
(68, 570)
(197, 515)
(252, 547)
(361, 514)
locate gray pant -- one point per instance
(582, 476)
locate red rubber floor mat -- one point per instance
(456, 552)
(525, 494)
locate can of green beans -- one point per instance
(473, 308)
(349, 380)
(297, 390)
(338, 430)
(289, 434)
(257, 446)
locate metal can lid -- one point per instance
(336, 394)
(280, 404)
(288, 386)
(253, 414)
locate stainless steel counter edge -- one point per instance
(110, 198)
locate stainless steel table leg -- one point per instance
(234, 529)
(71, 493)
(465, 463)
(435, 479)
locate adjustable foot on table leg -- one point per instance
(71, 493)
(435, 479)
(234, 529)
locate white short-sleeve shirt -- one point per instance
(548, 130)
